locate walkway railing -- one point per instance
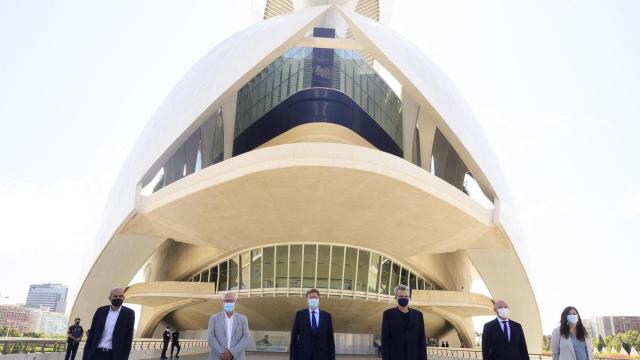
(439, 353)
(19, 345)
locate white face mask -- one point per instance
(572, 319)
(503, 313)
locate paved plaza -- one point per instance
(276, 356)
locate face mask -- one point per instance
(403, 302)
(503, 313)
(572, 319)
(313, 303)
(228, 307)
(116, 302)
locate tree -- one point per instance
(601, 344)
(546, 342)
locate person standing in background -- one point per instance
(166, 337)
(74, 335)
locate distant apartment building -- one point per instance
(611, 325)
(28, 318)
(53, 297)
(21, 318)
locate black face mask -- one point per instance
(403, 302)
(116, 302)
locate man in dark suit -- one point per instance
(312, 332)
(166, 337)
(111, 330)
(502, 338)
(403, 335)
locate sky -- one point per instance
(555, 84)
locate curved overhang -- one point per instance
(183, 301)
(313, 193)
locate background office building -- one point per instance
(315, 148)
(611, 325)
(50, 296)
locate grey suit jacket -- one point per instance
(562, 348)
(218, 336)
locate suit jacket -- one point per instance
(305, 345)
(562, 348)
(218, 335)
(400, 342)
(495, 345)
(122, 333)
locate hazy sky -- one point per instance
(555, 84)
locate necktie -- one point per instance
(314, 323)
(505, 329)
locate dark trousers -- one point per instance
(165, 345)
(175, 345)
(72, 349)
(102, 355)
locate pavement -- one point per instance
(276, 356)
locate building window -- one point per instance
(295, 266)
(324, 252)
(222, 286)
(362, 272)
(267, 268)
(342, 268)
(282, 265)
(256, 268)
(233, 273)
(350, 263)
(309, 266)
(337, 262)
(245, 270)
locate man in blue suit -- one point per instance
(111, 330)
(503, 338)
(312, 332)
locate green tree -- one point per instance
(632, 337)
(546, 342)
(601, 344)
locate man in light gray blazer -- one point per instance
(228, 331)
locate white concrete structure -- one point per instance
(283, 153)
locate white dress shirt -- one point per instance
(109, 325)
(317, 315)
(502, 323)
(229, 321)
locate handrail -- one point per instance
(475, 353)
(23, 346)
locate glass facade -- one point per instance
(339, 269)
(293, 71)
(203, 148)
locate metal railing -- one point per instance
(23, 346)
(439, 353)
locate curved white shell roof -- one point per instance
(232, 63)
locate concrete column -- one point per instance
(427, 133)
(229, 123)
(409, 120)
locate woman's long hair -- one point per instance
(581, 332)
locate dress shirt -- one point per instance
(317, 316)
(229, 322)
(109, 325)
(502, 323)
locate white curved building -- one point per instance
(284, 160)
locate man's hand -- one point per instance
(226, 355)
